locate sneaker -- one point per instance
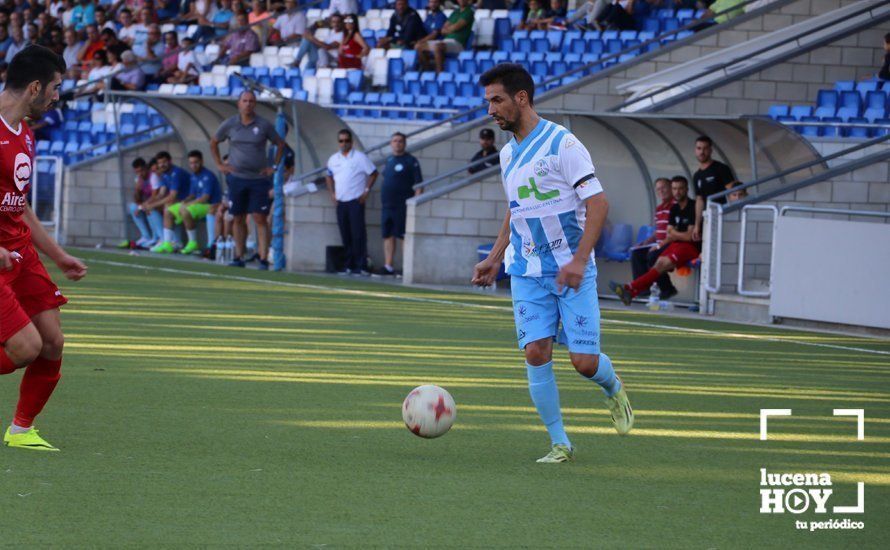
(264, 265)
(343, 273)
(621, 411)
(163, 248)
(125, 244)
(671, 292)
(621, 291)
(559, 453)
(190, 248)
(27, 440)
(237, 262)
(383, 271)
(359, 273)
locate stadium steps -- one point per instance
(666, 88)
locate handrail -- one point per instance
(802, 166)
(113, 141)
(721, 66)
(468, 112)
(444, 190)
(855, 164)
(446, 175)
(868, 213)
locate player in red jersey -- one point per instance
(30, 329)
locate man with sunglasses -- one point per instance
(350, 177)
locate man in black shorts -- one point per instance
(711, 177)
(402, 172)
(247, 175)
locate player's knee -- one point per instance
(24, 351)
(537, 353)
(53, 345)
(585, 364)
(664, 264)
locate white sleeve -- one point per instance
(368, 166)
(577, 167)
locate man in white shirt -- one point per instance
(350, 177)
(291, 24)
(127, 32)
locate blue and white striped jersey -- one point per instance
(547, 178)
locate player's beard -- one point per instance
(41, 104)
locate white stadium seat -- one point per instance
(181, 89)
(484, 29)
(205, 79)
(310, 85)
(257, 60)
(166, 89)
(219, 69)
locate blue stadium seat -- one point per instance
(810, 131)
(503, 28)
(57, 148)
(685, 15)
(618, 245)
(593, 46)
(652, 25)
(424, 101)
(540, 69)
(279, 77)
(555, 39)
(670, 25)
(576, 46)
(194, 89)
(845, 85)
(644, 233)
(775, 111)
(800, 111)
(355, 98)
(500, 57)
(614, 46)
(208, 90)
(832, 131)
(885, 122)
(664, 13)
(866, 86)
(540, 45)
(609, 35)
(875, 105)
(627, 35)
(850, 105)
(70, 126)
(43, 147)
(395, 69)
(341, 90)
(856, 131)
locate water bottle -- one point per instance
(230, 249)
(665, 305)
(220, 250)
(654, 295)
(250, 248)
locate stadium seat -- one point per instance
(844, 85)
(644, 233)
(832, 131)
(856, 131)
(619, 242)
(875, 105)
(810, 131)
(801, 111)
(775, 111)
(849, 105)
(885, 127)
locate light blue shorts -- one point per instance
(538, 309)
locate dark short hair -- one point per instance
(108, 32)
(486, 133)
(195, 153)
(401, 135)
(139, 163)
(163, 155)
(344, 132)
(513, 77)
(705, 139)
(34, 63)
(681, 179)
(127, 10)
(662, 179)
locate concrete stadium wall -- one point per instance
(601, 94)
(96, 194)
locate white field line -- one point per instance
(479, 306)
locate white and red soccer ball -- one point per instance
(429, 411)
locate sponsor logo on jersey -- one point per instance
(532, 250)
(22, 171)
(526, 191)
(12, 202)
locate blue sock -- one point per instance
(605, 376)
(545, 395)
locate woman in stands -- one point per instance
(170, 61)
(353, 48)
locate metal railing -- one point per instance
(55, 220)
(713, 239)
(441, 177)
(724, 67)
(740, 286)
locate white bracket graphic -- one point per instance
(860, 502)
(766, 413)
(860, 420)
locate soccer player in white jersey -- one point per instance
(557, 211)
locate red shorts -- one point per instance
(681, 253)
(25, 291)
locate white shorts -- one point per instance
(451, 45)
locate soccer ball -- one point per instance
(429, 411)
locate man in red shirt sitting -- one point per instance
(644, 255)
(679, 248)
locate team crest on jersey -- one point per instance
(22, 171)
(546, 165)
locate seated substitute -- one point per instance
(680, 249)
(206, 192)
(644, 255)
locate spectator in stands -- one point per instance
(206, 194)
(112, 44)
(141, 195)
(55, 41)
(456, 32)
(18, 43)
(435, 20)
(170, 61)
(556, 16)
(99, 69)
(146, 20)
(5, 42)
(55, 8)
(52, 120)
(239, 45)
(486, 142)
(401, 174)
(645, 254)
(102, 20)
(216, 24)
(589, 11)
(353, 48)
(719, 6)
(71, 53)
(536, 14)
(259, 11)
(884, 73)
(187, 66)
(83, 14)
(198, 10)
(617, 16)
(350, 177)
(711, 177)
(127, 32)
(735, 195)
(342, 7)
(679, 246)
(131, 77)
(176, 182)
(151, 52)
(405, 28)
(322, 52)
(493, 4)
(291, 25)
(247, 173)
(93, 44)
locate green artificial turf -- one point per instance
(208, 411)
